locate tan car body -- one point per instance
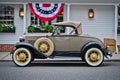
(65, 42)
(36, 45)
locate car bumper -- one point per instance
(108, 53)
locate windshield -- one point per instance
(58, 30)
(73, 28)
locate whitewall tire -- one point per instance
(22, 57)
(94, 57)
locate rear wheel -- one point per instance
(22, 57)
(94, 57)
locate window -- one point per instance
(60, 17)
(119, 15)
(6, 18)
(118, 29)
(6, 15)
(37, 22)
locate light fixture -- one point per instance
(21, 12)
(91, 13)
(9, 12)
(62, 13)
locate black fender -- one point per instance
(34, 51)
(93, 44)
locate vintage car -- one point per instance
(33, 46)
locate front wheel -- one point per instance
(22, 57)
(94, 57)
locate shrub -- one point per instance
(7, 28)
(118, 29)
(41, 28)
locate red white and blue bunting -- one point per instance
(46, 11)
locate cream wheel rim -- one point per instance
(21, 56)
(43, 46)
(94, 57)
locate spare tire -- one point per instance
(45, 46)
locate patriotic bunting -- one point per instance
(46, 11)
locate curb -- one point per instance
(63, 61)
(5, 60)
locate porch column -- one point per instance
(68, 12)
(24, 19)
(68, 16)
(116, 25)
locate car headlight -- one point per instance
(21, 39)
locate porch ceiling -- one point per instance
(66, 1)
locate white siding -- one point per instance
(11, 38)
(101, 26)
(118, 39)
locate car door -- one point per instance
(61, 43)
(75, 43)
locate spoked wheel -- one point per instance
(22, 57)
(44, 45)
(94, 57)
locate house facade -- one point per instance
(103, 25)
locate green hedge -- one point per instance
(7, 28)
(41, 29)
(44, 29)
(118, 29)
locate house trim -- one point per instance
(116, 25)
(25, 18)
(65, 3)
